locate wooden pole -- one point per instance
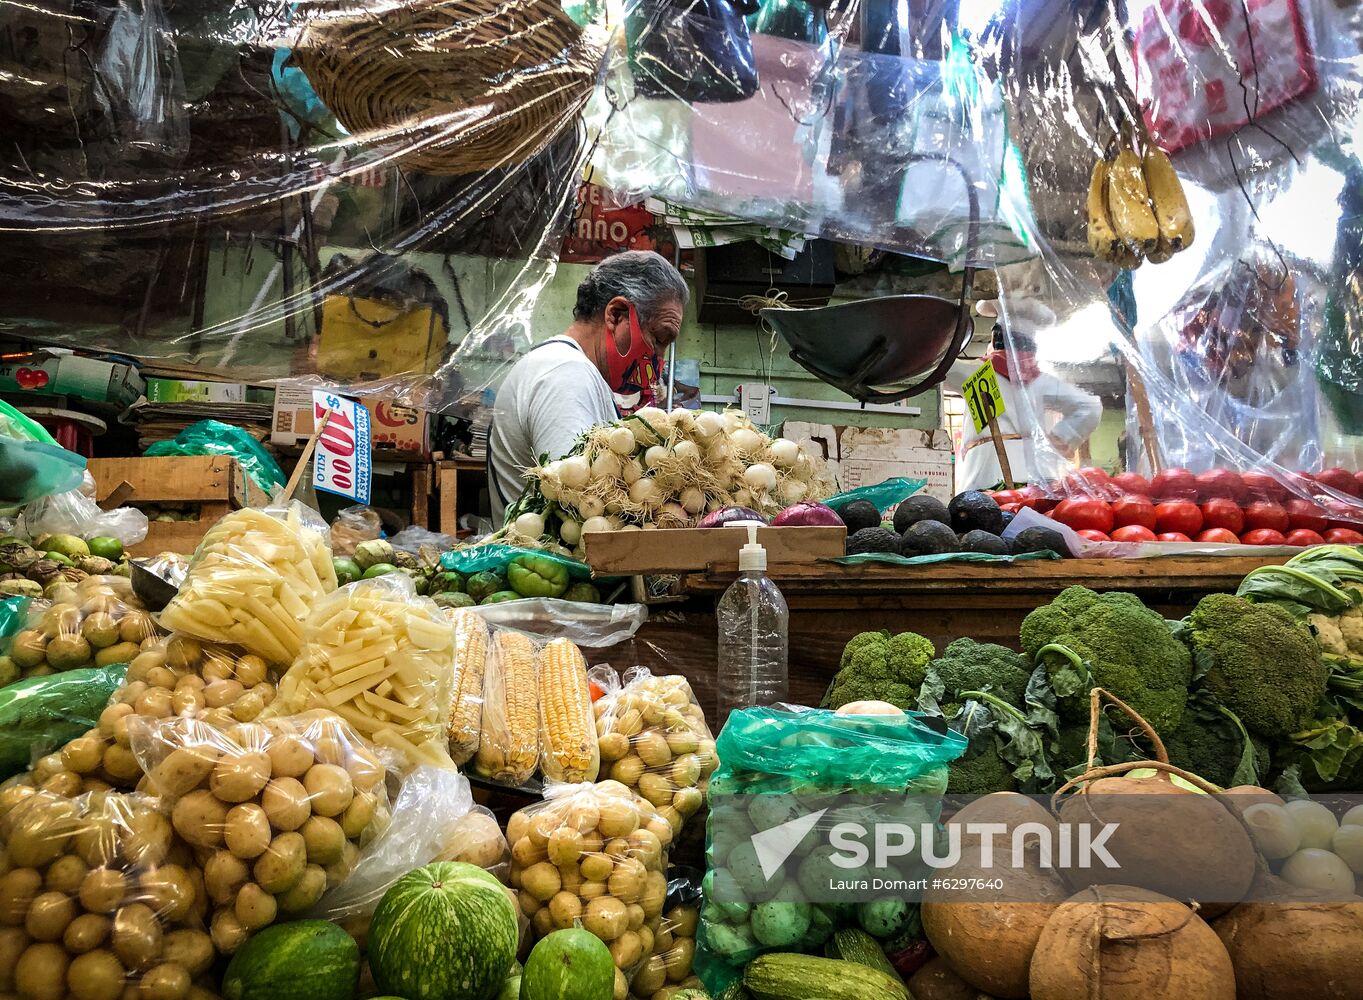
(997, 437)
(302, 465)
(1149, 439)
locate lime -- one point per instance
(379, 569)
(106, 548)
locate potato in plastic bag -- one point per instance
(92, 622)
(184, 676)
(276, 812)
(253, 580)
(593, 855)
(669, 967)
(653, 738)
(381, 658)
(100, 900)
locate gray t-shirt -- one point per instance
(548, 398)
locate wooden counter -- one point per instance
(830, 603)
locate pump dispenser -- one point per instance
(753, 625)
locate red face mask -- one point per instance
(632, 375)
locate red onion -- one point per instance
(721, 517)
(807, 513)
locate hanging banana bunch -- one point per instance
(1136, 207)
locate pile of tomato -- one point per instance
(1222, 506)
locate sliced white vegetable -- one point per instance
(785, 452)
(646, 493)
(1273, 829)
(1313, 868)
(573, 471)
(1348, 844)
(597, 523)
(760, 478)
(655, 455)
(621, 441)
(708, 424)
(570, 532)
(687, 451)
(745, 439)
(530, 525)
(591, 507)
(1316, 822)
(692, 500)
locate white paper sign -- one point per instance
(341, 463)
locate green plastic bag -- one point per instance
(40, 714)
(884, 495)
(213, 437)
(778, 766)
(32, 464)
(496, 556)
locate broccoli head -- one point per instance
(1260, 662)
(982, 774)
(1128, 649)
(967, 665)
(877, 666)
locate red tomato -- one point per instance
(1172, 536)
(1219, 535)
(1088, 482)
(1132, 483)
(1338, 479)
(1223, 513)
(1265, 514)
(1002, 497)
(1133, 510)
(1263, 486)
(1343, 536)
(1092, 535)
(1340, 514)
(1358, 478)
(1221, 483)
(1133, 533)
(1178, 515)
(1174, 484)
(1263, 536)
(1011, 508)
(1095, 514)
(1303, 537)
(1305, 514)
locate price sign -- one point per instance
(341, 463)
(983, 396)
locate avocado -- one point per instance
(1008, 516)
(973, 509)
(919, 508)
(976, 540)
(859, 514)
(1040, 540)
(928, 538)
(872, 540)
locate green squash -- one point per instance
(501, 597)
(447, 931)
(569, 965)
(303, 960)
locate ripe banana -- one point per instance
(1128, 203)
(1162, 252)
(1102, 237)
(1171, 207)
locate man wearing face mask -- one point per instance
(628, 311)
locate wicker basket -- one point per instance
(460, 85)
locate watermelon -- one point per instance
(447, 931)
(569, 965)
(303, 960)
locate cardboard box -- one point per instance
(57, 373)
(864, 456)
(401, 431)
(172, 390)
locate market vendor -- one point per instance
(628, 311)
(1069, 413)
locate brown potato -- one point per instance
(154, 703)
(182, 652)
(103, 890)
(606, 917)
(588, 891)
(619, 818)
(40, 973)
(597, 867)
(285, 801)
(95, 975)
(255, 908)
(359, 814)
(330, 789)
(184, 769)
(224, 875)
(83, 754)
(40, 832)
(65, 874)
(525, 852)
(626, 882)
(350, 854)
(227, 933)
(18, 888)
(166, 981)
(169, 890)
(148, 839)
(565, 909)
(680, 958)
(541, 881)
(187, 700)
(636, 916)
(305, 892)
(366, 773)
(49, 915)
(86, 933)
(627, 950)
(565, 846)
(650, 978)
(200, 818)
(248, 706)
(13, 941)
(282, 864)
(120, 764)
(238, 777)
(248, 832)
(136, 937)
(324, 839)
(191, 950)
(251, 670)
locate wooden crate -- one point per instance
(216, 483)
(676, 550)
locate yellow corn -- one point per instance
(568, 750)
(466, 709)
(508, 750)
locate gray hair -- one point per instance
(642, 276)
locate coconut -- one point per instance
(1119, 942)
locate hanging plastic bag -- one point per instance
(213, 437)
(42, 714)
(74, 513)
(32, 464)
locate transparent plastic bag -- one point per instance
(471, 638)
(277, 812)
(674, 945)
(97, 621)
(43, 714)
(352, 526)
(74, 513)
(100, 895)
(213, 437)
(509, 741)
(253, 580)
(382, 658)
(593, 855)
(653, 739)
(477, 839)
